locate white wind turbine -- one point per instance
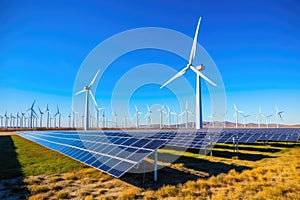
(115, 119)
(169, 113)
(22, 123)
(148, 116)
(32, 114)
(244, 119)
(97, 115)
(224, 118)
(18, 120)
(267, 119)
(41, 118)
(137, 113)
(73, 117)
(161, 110)
(69, 117)
(186, 112)
(6, 120)
(236, 114)
(259, 115)
(1, 117)
(59, 117)
(48, 116)
(197, 69)
(87, 90)
(278, 115)
(176, 118)
(212, 119)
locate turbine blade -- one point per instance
(202, 75)
(136, 109)
(93, 97)
(193, 50)
(33, 104)
(148, 107)
(79, 92)
(175, 76)
(235, 107)
(95, 77)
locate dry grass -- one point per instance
(276, 175)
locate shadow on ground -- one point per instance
(182, 170)
(11, 177)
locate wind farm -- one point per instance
(131, 101)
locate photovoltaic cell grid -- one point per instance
(116, 152)
(112, 152)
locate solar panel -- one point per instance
(111, 152)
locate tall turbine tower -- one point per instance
(278, 115)
(244, 119)
(148, 116)
(41, 118)
(197, 69)
(236, 114)
(87, 90)
(59, 117)
(267, 119)
(161, 111)
(259, 115)
(186, 112)
(137, 113)
(32, 114)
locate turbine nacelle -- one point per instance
(200, 67)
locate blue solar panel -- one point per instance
(112, 152)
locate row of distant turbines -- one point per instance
(30, 119)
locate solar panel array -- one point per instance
(116, 152)
(112, 152)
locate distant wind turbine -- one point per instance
(137, 113)
(278, 115)
(186, 112)
(169, 113)
(244, 119)
(48, 116)
(1, 117)
(212, 119)
(6, 120)
(59, 117)
(97, 114)
(115, 119)
(148, 116)
(267, 119)
(259, 115)
(41, 118)
(236, 114)
(161, 111)
(197, 69)
(87, 90)
(32, 114)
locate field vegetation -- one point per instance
(30, 171)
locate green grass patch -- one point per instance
(22, 157)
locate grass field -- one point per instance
(28, 170)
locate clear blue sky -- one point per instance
(255, 45)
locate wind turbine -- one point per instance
(267, 119)
(176, 118)
(1, 117)
(197, 69)
(137, 113)
(6, 120)
(148, 116)
(169, 113)
(236, 114)
(18, 120)
(103, 119)
(32, 114)
(259, 115)
(22, 123)
(97, 114)
(161, 111)
(41, 118)
(213, 117)
(186, 112)
(278, 114)
(48, 116)
(87, 90)
(115, 119)
(73, 117)
(59, 117)
(69, 117)
(224, 118)
(244, 119)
